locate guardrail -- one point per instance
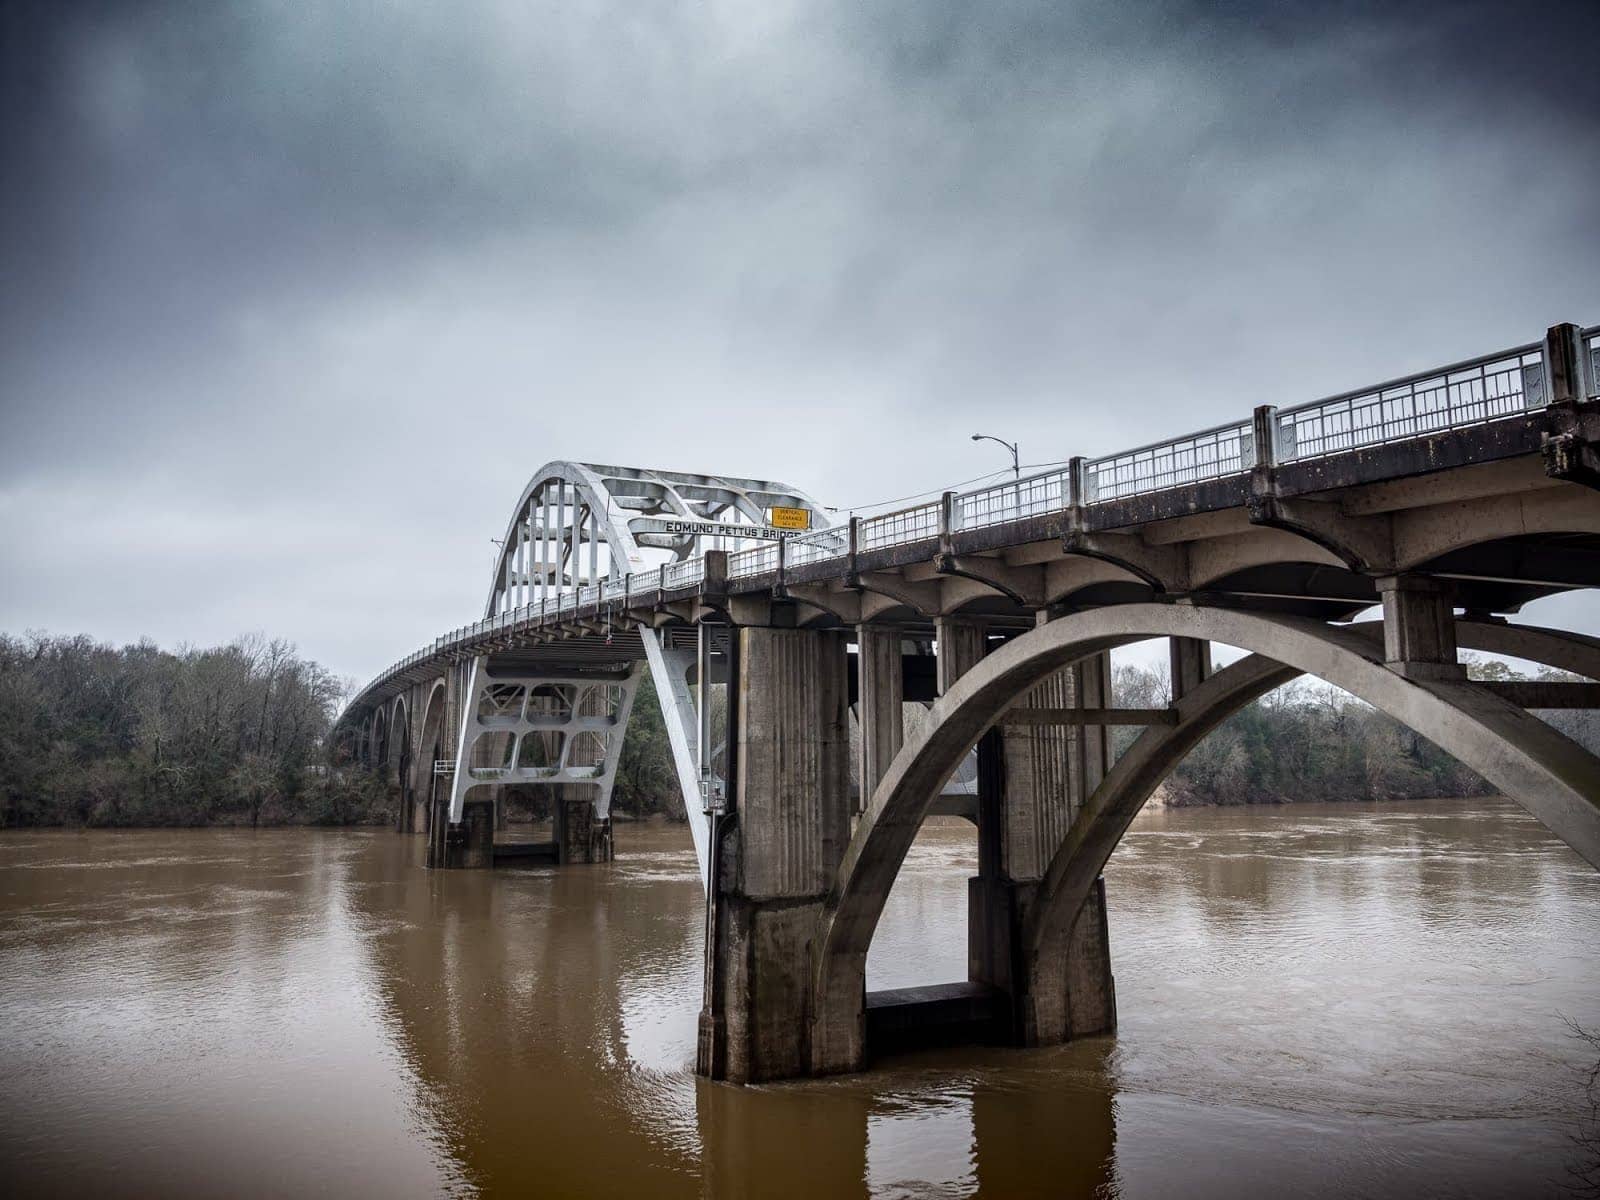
(1213, 453)
(755, 561)
(1463, 394)
(899, 527)
(817, 546)
(683, 574)
(1476, 391)
(1033, 496)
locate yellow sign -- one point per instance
(790, 518)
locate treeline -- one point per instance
(91, 734)
(1310, 741)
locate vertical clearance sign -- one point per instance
(789, 518)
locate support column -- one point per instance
(1089, 994)
(881, 705)
(1044, 774)
(777, 853)
(1419, 627)
(1191, 665)
(961, 643)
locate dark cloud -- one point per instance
(298, 294)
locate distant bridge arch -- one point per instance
(576, 529)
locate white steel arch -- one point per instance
(577, 525)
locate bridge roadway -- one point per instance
(972, 636)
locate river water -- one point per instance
(1336, 1000)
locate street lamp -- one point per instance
(1016, 469)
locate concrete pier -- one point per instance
(469, 845)
(580, 836)
(777, 859)
(1028, 798)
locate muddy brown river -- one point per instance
(1319, 1000)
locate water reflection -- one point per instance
(1323, 1000)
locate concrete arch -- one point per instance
(1556, 780)
(1574, 652)
(399, 724)
(379, 756)
(1078, 572)
(430, 734)
(1216, 559)
(430, 747)
(1428, 534)
(964, 594)
(1156, 753)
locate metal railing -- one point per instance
(754, 561)
(898, 528)
(1035, 496)
(817, 546)
(1213, 453)
(1464, 394)
(1476, 391)
(683, 574)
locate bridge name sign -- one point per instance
(763, 533)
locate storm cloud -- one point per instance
(298, 295)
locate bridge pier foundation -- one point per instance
(774, 860)
(468, 845)
(581, 837)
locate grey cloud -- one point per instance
(342, 276)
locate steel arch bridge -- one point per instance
(1449, 498)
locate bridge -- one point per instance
(822, 682)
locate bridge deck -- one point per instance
(1479, 415)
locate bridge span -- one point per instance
(790, 654)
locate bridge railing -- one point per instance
(899, 528)
(1033, 496)
(684, 574)
(755, 561)
(1463, 394)
(1214, 453)
(817, 546)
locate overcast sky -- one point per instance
(296, 296)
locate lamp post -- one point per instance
(1016, 469)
